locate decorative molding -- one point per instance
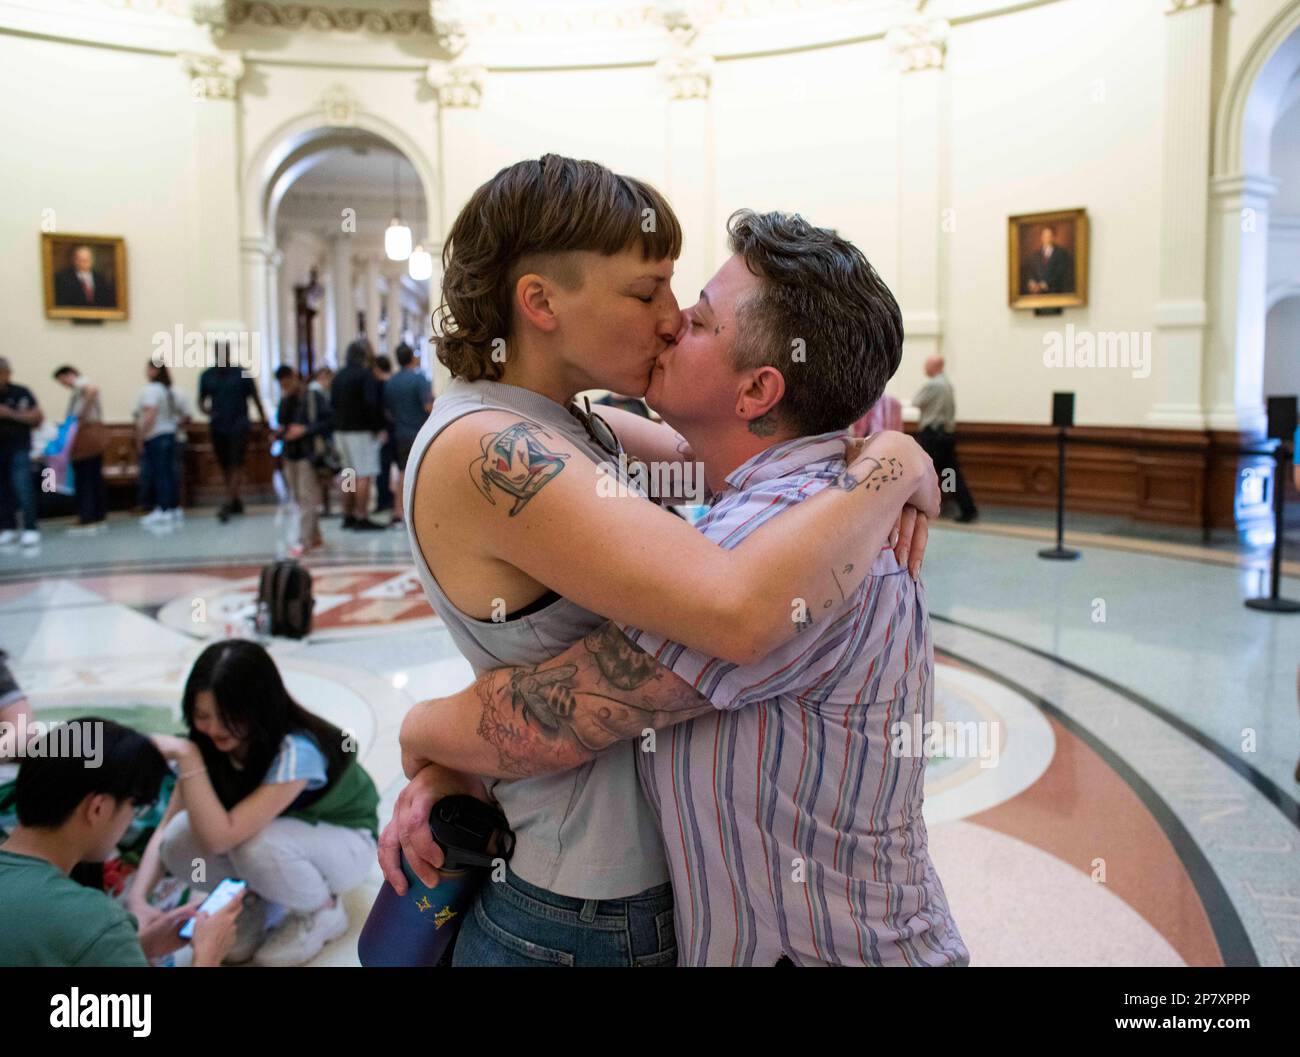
(687, 69)
(325, 18)
(459, 84)
(1244, 186)
(339, 105)
(448, 19)
(212, 75)
(921, 44)
(1172, 7)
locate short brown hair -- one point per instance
(517, 222)
(820, 294)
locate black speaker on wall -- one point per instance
(1063, 410)
(1281, 417)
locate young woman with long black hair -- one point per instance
(268, 792)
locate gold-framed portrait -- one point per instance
(1047, 259)
(84, 276)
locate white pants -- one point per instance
(297, 864)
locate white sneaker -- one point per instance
(302, 936)
(30, 538)
(177, 514)
(8, 536)
(155, 517)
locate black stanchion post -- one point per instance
(1062, 419)
(1281, 427)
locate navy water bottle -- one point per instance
(418, 928)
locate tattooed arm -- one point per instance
(514, 722)
(534, 502)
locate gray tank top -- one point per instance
(587, 833)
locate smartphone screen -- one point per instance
(224, 893)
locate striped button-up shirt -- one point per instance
(791, 828)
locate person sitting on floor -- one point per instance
(73, 807)
(270, 793)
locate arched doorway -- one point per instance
(323, 153)
(1264, 88)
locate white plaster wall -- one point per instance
(106, 136)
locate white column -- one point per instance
(214, 86)
(287, 310)
(393, 306)
(438, 374)
(1234, 360)
(1194, 35)
(372, 301)
(687, 73)
(345, 310)
(920, 49)
(257, 285)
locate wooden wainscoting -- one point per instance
(1191, 478)
(201, 481)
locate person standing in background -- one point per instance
(357, 398)
(408, 398)
(224, 393)
(321, 381)
(387, 456)
(157, 415)
(304, 415)
(87, 471)
(938, 407)
(19, 413)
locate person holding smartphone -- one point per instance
(269, 793)
(74, 808)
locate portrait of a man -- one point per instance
(85, 276)
(1048, 260)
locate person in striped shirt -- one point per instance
(794, 832)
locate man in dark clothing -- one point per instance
(305, 419)
(224, 392)
(19, 413)
(408, 397)
(1050, 268)
(80, 285)
(936, 434)
(357, 397)
(387, 452)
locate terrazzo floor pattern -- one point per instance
(1123, 823)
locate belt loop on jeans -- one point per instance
(588, 912)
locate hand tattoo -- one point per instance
(878, 474)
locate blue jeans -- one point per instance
(515, 923)
(16, 491)
(158, 472)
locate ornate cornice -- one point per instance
(212, 75)
(1172, 7)
(324, 18)
(919, 45)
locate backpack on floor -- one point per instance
(285, 587)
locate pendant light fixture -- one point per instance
(420, 265)
(397, 239)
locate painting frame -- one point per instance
(1017, 296)
(53, 243)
